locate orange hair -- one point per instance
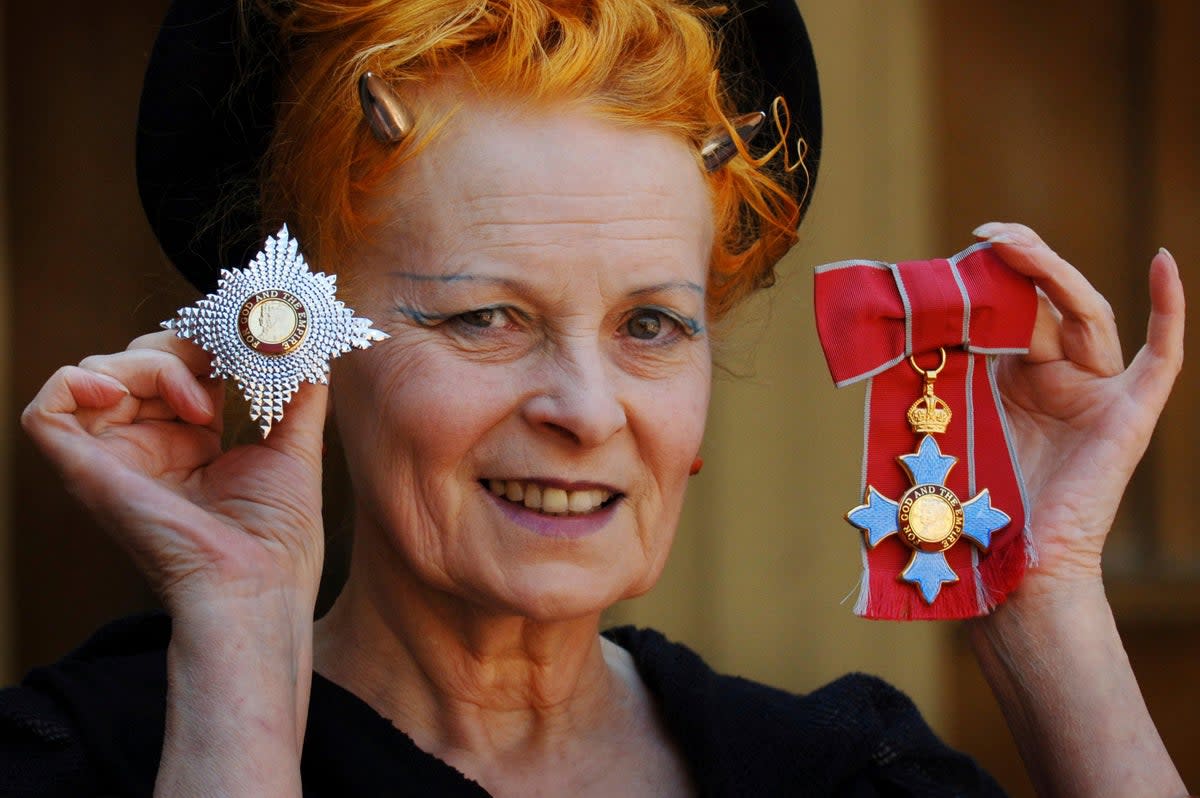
(641, 62)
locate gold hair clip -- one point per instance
(390, 120)
(720, 145)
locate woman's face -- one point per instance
(523, 439)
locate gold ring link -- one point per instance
(929, 375)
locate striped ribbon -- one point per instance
(871, 317)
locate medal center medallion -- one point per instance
(273, 322)
(931, 518)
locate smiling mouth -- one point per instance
(550, 500)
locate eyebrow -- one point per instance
(454, 278)
(674, 285)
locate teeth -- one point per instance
(553, 501)
(514, 491)
(581, 501)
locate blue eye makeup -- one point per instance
(474, 320)
(420, 317)
(653, 323)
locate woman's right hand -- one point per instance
(137, 438)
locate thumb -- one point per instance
(1158, 362)
(301, 431)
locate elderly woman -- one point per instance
(525, 211)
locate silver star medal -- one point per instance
(273, 325)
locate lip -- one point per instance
(568, 527)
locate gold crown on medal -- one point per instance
(929, 414)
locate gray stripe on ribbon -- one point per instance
(997, 350)
(873, 372)
(962, 289)
(980, 594)
(846, 264)
(1027, 532)
(864, 588)
(981, 598)
(862, 477)
(908, 313)
(970, 397)
(972, 249)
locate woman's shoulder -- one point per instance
(40, 752)
(677, 674)
(857, 735)
(92, 724)
(91, 721)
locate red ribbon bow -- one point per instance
(871, 317)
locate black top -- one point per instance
(92, 724)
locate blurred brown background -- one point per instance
(1081, 120)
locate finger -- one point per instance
(52, 416)
(215, 388)
(1164, 333)
(1159, 361)
(72, 388)
(131, 410)
(153, 410)
(198, 361)
(154, 374)
(1045, 345)
(301, 432)
(1089, 329)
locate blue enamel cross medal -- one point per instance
(929, 517)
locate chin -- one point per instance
(559, 592)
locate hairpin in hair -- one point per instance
(390, 120)
(719, 146)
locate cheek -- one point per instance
(412, 416)
(681, 408)
(670, 421)
(671, 430)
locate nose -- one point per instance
(576, 396)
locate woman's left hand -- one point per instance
(1080, 418)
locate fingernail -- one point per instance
(1165, 251)
(113, 381)
(986, 230)
(1008, 238)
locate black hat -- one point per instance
(207, 109)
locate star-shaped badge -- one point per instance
(273, 325)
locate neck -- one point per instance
(462, 680)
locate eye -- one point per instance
(659, 326)
(497, 317)
(484, 317)
(646, 324)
